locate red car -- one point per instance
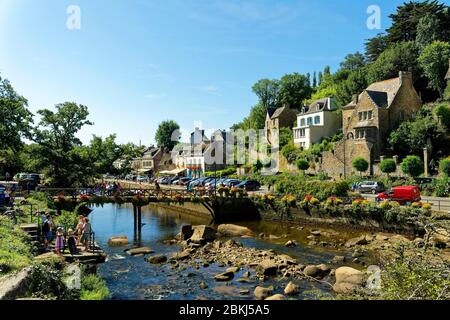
(402, 195)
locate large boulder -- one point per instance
(277, 297)
(267, 267)
(348, 280)
(159, 259)
(317, 272)
(139, 251)
(186, 232)
(118, 241)
(440, 238)
(226, 276)
(203, 234)
(262, 293)
(232, 230)
(291, 289)
(359, 241)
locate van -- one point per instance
(402, 195)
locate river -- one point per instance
(133, 278)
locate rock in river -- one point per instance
(348, 280)
(262, 293)
(318, 271)
(226, 276)
(139, 251)
(267, 268)
(356, 241)
(233, 230)
(203, 234)
(277, 297)
(118, 241)
(291, 244)
(157, 259)
(291, 289)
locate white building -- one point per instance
(315, 122)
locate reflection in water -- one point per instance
(134, 278)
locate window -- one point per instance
(402, 116)
(360, 116)
(302, 122)
(369, 115)
(360, 134)
(317, 120)
(310, 121)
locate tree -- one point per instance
(303, 164)
(434, 61)
(414, 135)
(407, 18)
(285, 137)
(267, 92)
(320, 78)
(314, 80)
(355, 84)
(294, 89)
(399, 57)
(353, 61)
(412, 166)
(442, 111)
(376, 46)
(66, 163)
(428, 31)
(103, 153)
(360, 164)
(388, 166)
(167, 135)
(444, 167)
(15, 124)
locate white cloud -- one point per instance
(210, 89)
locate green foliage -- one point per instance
(412, 166)
(375, 47)
(442, 186)
(222, 173)
(414, 135)
(398, 57)
(442, 111)
(447, 92)
(303, 164)
(65, 161)
(103, 153)
(285, 137)
(388, 166)
(434, 61)
(353, 61)
(354, 84)
(444, 166)
(294, 90)
(428, 30)
(15, 252)
(67, 220)
(411, 276)
(47, 282)
(94, 288)
(167, 135)
(267, 92)
(360, 164)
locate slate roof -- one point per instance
(389, 87)
(380, 98)
(271, 111)
(319, 105)
(278, 112)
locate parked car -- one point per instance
(370, 187)
(4, 198)
(184, 181)
(231, 182)
(403, 195)
(249, 185)
(19, 176)
(143, 179)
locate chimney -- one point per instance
(405, 76)
(355, 98)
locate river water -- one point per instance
(133, 278)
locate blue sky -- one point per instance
(135, 63)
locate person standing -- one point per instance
(85, 236)
(47, 230)
(59, 244)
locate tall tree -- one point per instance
(15, 118)
(434, 61)
(376, 46)
(267, 92)
(66, 163)
(320, 78)
(353, 61)
(314, 80)
(428, 31)
(167, 135)
(294, 89)
(103, 153)
(355, 84)
(408, 15)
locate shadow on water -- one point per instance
(133, 278)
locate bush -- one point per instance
(298, 186)
(302, 164)
(412, 166)
(442, 187)
(47, 282)
(94, 288)
(67, 219)
(444, 166)
(388, 166)
(360, 164)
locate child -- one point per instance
(71, 242)
(59, 245)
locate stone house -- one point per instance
(148, 162)
(283, 117)
(315, 122)
(368, 121)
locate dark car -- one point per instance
(249, 185)
(184, 181)
(231, 182)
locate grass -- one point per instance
(94, 288)
(15, 251)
